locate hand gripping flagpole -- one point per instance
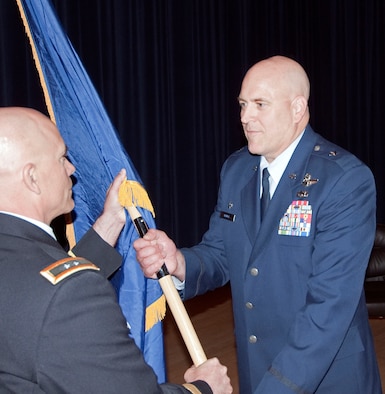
(174, 301)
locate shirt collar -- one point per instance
(37, 223)
(278, 165)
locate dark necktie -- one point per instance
(265, 199)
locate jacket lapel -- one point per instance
(250, 204)
(287, 191)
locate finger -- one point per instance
(119, 178)
(151, 235)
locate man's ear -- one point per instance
(30, 178)
(299, 106)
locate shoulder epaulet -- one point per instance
(61, 269)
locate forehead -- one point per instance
(49, 132)
(262, 90)
(48, 143)
(57, 146)
(264, 83)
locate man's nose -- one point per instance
(70, 168)
(246, 115)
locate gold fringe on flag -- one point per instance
(70, 232)
(155, 312)
(37, 62)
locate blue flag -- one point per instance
(98, 155)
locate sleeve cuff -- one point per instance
(95, 249)
(198, 387)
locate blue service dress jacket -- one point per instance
(70, 337)
(300, 317)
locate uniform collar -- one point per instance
(37, 223)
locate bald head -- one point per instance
(31, 153)
(282, 72)
(22, 135)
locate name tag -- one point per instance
(227, 216)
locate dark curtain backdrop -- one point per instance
(169, 72)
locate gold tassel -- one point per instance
(132, 193)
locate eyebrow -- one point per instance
(254, 99)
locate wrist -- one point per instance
(180, 271)
(109, 227)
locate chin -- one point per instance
(70, 207)
(253, 150)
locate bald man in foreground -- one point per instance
(296, 260)
(61, 328)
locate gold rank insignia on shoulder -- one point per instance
(61, 269)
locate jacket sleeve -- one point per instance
(84, 345)
(92, 247)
